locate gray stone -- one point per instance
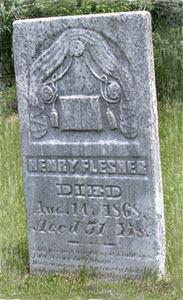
(90, 148)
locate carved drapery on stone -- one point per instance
(112, 73)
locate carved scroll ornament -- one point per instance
(102, 64)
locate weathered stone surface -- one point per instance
(90, 148)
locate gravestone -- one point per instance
(90, 148)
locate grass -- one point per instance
(8, 101)
(16, 283)
(171, 140)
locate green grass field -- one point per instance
(16, 283)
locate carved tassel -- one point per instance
(54, 118)
(111, 119)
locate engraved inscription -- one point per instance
(76, 254)
(88, 190)
(92, 219)
(90, 166)
(92, 228)
(116, 210)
